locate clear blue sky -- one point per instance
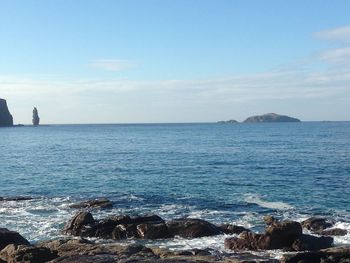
(174, 61)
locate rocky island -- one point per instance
(270, 117)
(6, 119)
(228, 122)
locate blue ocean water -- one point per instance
(219, 172)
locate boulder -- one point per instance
(11, 237)
(153, 231)
(283, 234)
(279, 235)
(6, 119)
(95, 203)
(316, 224)
(232, 229)
(334, 232)
(74, 226)
(312, 243)
(248, 241)
(24, 253)
(192, 228)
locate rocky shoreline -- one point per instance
(91, 240)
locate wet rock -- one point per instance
(125, 231)
(316, 224)
(331, 255)
(279, 235)
(248, 241)
(153, 231)
(147, 219)
(232, 229)
(104, 228)
(95, 203)
(11, 237)
(312, 243)
(6, 119)
(283, 234)
(334, 232)
(192, 228)
(74, 226)
(87, 259)
(29, 254)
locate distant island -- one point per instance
(229, 121)
(268, 117)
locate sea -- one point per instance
(223, 173)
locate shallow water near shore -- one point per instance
(224, 173)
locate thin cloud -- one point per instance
(341, 34)
(111, 64)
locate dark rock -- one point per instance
(11, 237)
(316, 224)
(104, 228)
(29, 254)
(153, 231)
(147, 219)
(104, 258)
(331, 255)
(334, 232)
(192, 228)
(270, 117)
(312, 243)
(36, 118)
(248, 241)
(74, 226)
(125, 231)
(6, 119)
(283, 234)
(279, 235)
(232, 229)
(96, 203)
(15, 198)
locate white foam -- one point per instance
(256, 199)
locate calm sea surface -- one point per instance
(219, 172)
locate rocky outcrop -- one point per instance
(316, 224)
(334, 232)
(36, 119)
(230, 229)
(270, 117)
(141, 227)
(6, 119)
(101, 203)
(278, 235)
(8, 237)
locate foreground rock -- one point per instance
(316, 224)
(8, 237)
(330, 255)
(270, 117)
(143, 227)
(95, 203)
(29, 254)
(285, 235)
(6, 119)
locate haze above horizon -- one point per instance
(89, 61)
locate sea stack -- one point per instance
(6, 119)
(36, 118)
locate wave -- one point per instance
(256, 199)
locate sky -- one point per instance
(132, 61)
